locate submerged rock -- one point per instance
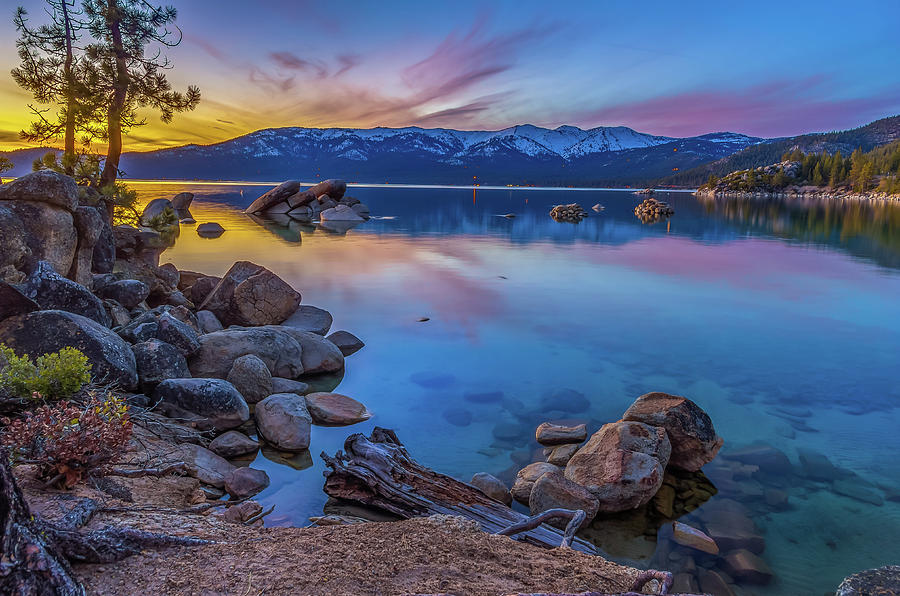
(746, 567)
(492, 487)
(691, 433)
(689, 536)
(883, 580)
(622, 464)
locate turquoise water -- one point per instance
(780, 320)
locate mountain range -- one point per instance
(519, 155)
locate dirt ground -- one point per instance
(410, 557)
(421, 556)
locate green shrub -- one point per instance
(56, 375)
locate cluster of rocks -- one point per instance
(201, 349)
(652, 210)
(326, 201)
(622, 465)
(572, 213)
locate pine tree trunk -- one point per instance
(120, 94)
(29, 563)
(70, 94)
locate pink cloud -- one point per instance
(777, 108)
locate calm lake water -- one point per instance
(779, 320)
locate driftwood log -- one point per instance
(35, 554)
(378, 472)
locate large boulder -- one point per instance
(155, 208)
(209, 403)
(319, 355)
(89, 225)
(622, 464)
(14, 250)
(280, 352)
(157, 361)
(335, 189)
(104, 253)
(346, 342)
(49, 233)
(525, 479)
(54, 292)
(691, 432)
(182, 201)
(283, 420)
(554, 491)
(44, 331)
(45, 186)
(207, 322)
(271, 198)
(127, 292)
(310, 318)
(334, 409)
(178, 333)
(251, 377)
(251, 295)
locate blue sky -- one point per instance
(673, 68)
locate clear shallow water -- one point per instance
(745, 307)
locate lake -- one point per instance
(779, 319)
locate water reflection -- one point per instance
(775, 317)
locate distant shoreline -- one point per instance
(383, 185)
(795, 194)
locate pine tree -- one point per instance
(5, 165)
(864, 178)
(128, 76)
(780, 180)
(51, 69)
(818, 178)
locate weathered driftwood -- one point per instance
(379, 472)
(576, 518)
(663, 578)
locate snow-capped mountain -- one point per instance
(524, 154)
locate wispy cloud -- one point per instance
(442, 88)
(776, 108)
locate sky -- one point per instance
(675, 68)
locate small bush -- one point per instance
(67, 440)
(57, 375)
